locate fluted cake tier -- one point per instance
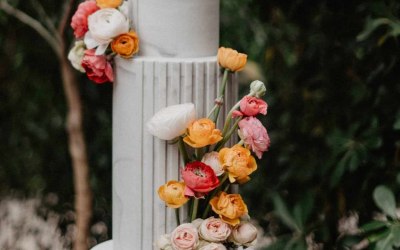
(142, 163)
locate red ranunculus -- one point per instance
(79, 20)
(199, 179)
(97, 68)
(251, 106)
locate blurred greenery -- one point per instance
(334, 115)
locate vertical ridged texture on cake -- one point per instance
(141, 162)
(176, 28)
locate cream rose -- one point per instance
(104, 25)
(213, 246)
(244, 234)
(76, 54)
(172, 121)
(212, 159)
(164, 242)
(197, 223)
(185, 237)
(214, 230)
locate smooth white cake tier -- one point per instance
(177, 28)
(142, 163)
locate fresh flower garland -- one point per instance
(208, 173)
(102, 30)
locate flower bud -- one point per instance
(258, 89)
(244, 234)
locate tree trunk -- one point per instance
(77, 149)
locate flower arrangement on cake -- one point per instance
(216, 219)
(102, 30)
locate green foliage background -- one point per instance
(332, 69)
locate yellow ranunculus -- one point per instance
(231, 59)
(229, 207)
(126, 44)
(238, 162)
(108, 3)
(202, 133)
(173, 194)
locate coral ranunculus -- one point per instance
(108, 3)
(173, 194)
(229, 207)
(199, 179)
(202, 133)
(126, 45)
(79, 21)
(231, 59)
(251, 106)
(254, 135)
(97, 68)
(238, 162)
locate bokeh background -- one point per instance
(333, 78)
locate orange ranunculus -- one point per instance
(238, 162)
(126, 44)
(229, 207)
(173, 194)
(108, 3)
(231, 59)
(202, 133)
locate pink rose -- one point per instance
(79, 20)
(185, 237)
(199, 179)
(254, 135)
(214, 230)
(251, 106)
(97, 68)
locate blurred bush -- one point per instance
(334, 117)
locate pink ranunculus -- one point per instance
(79, 21)
(254, 135)
(214, 230)
(97, 68)
(185, 237)
(251, 106)
(199, 179)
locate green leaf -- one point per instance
(385, 200)
(396, 125)
(372, 226)
(396, 235)
(371, 26)
(283, 212)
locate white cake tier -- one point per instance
(142, 163)
(177, 28)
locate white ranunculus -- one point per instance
(164, 242)
(104, 25)
(214, 230)
(172, 121)
(244, 234)
(76, 54)
(212, 159)
(213, 246)
(258, 89)
(124, 8)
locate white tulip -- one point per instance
(258, 89)
(104, 25)
(172, 121)
(244, 234)
(76, 54)
(212, 159)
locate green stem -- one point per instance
(195, 207)
(227, 187)
(221, 144)
(229, 118)
(178, 221)
(183, 151)
(221, 95)
(213, 194)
